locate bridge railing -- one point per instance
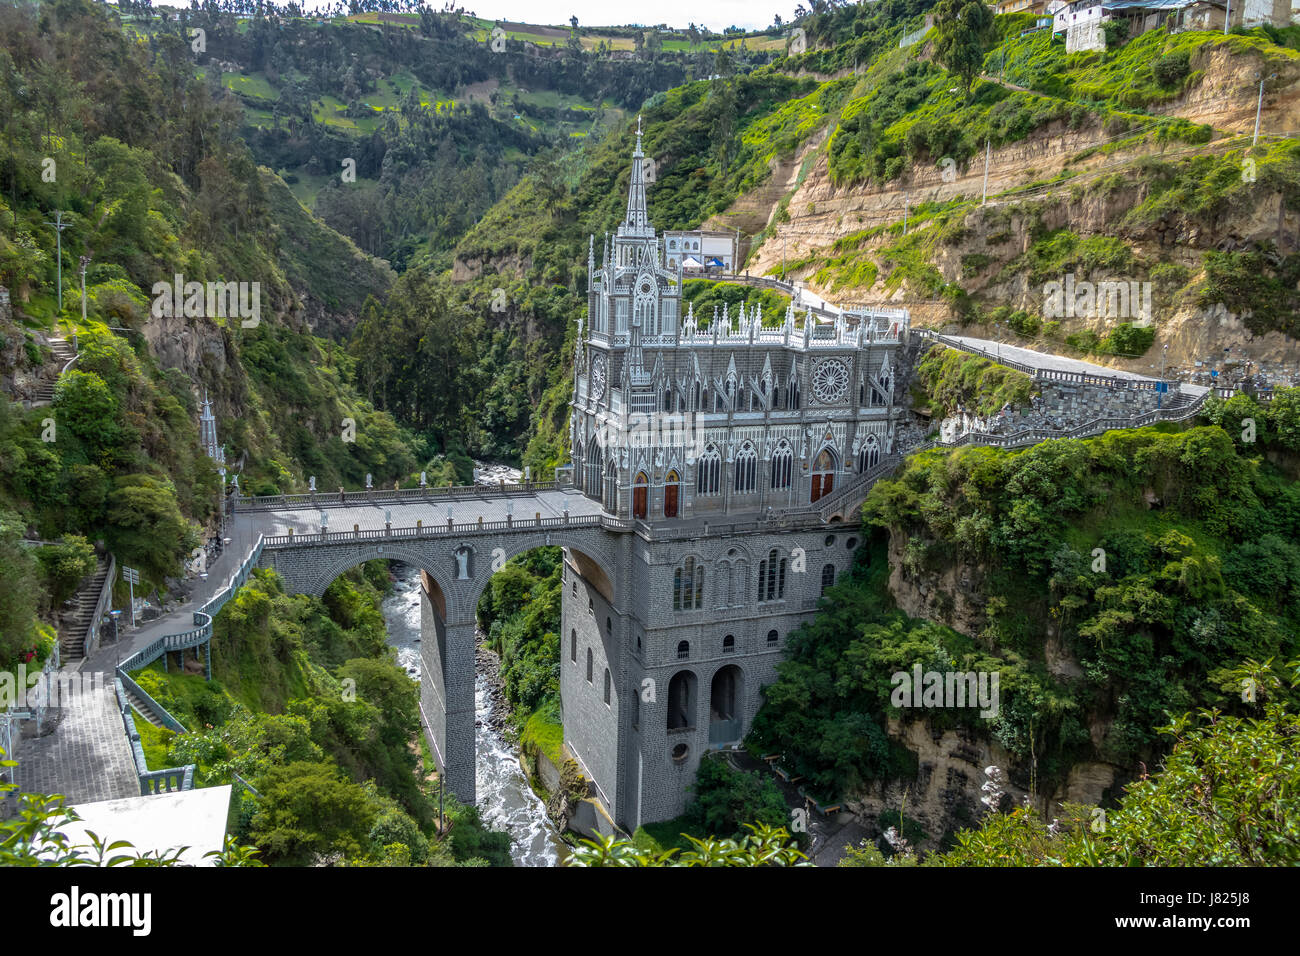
(449, 528)
(324, 499)
(173, 778)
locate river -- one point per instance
(506, 800)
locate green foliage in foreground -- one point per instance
(32, 837)
(1225, 796)
(309, 706)
(765, 846)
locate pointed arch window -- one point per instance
(792, 393)
(828, 577)
(609, 491)
(746, 469)
(688, 586)
(869, 454)
(596, 473)
(708, 472)
(782, 466)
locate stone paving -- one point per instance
(87, 756)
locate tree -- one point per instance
(965, 28)
(765, 846)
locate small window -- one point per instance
(574, 590)
(729, 644)
(683, 650)
(828, 577)
(830, 540)
(591, 607)
(589, 665)
(607, 682)
(609, 628)
(851, 543)
(573, 645)
(772, 638)
(680, 753)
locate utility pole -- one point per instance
(1259, 105)
(59, 225)
(85, 261)
(987, 153)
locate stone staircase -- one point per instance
(72, 637)
(141, 707)
(63, 353)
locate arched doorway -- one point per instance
(724, 705)
(640, 494)
(671, 486)
(823, 474)
(681, 701)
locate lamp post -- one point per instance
(85, 260)
(1164, 353)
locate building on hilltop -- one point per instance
(703, 431)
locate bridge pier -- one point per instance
(447, 698)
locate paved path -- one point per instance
(1000, 351)
(371, 517)
(87, 757)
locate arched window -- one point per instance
(590, 661)
(683, 650)
(772, 637)
(607, 683)
(708, 472)
(746, 469)
(688, 586)
(640, 495)
(681, 701)
(729, 644)
(573, 645)
(869, 454)
(672, 486)
(828, 577)
(771, 577)
(595, 473)
(792, 393)
(609, 497)
(782, 467)
(668, 399)
(823, 477)
(609, 629)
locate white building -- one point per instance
(699, 251)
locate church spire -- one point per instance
(637, 221)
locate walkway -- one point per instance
(87, 757)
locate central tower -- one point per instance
(710, 436)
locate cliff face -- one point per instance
(808, 214)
